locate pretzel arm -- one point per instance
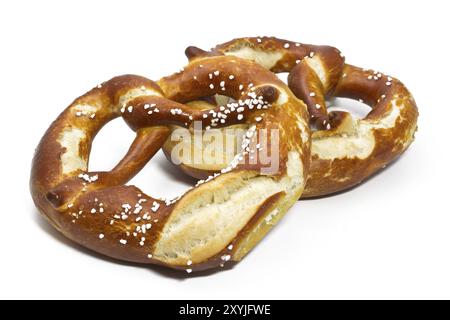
(306, 85)
(148, 141)
(314, 70)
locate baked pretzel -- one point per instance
(217, 221)
(345, 151)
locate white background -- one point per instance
(388, 238)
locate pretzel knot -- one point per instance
(345, 151)
(217, 221)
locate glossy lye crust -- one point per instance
(345, 151)
(223, 217)
(217, 221)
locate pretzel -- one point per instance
(345, 151)
(216, 222)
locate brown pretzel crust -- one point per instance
(346, 151)
(219, 220)
(389, 129)
(279, 55)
